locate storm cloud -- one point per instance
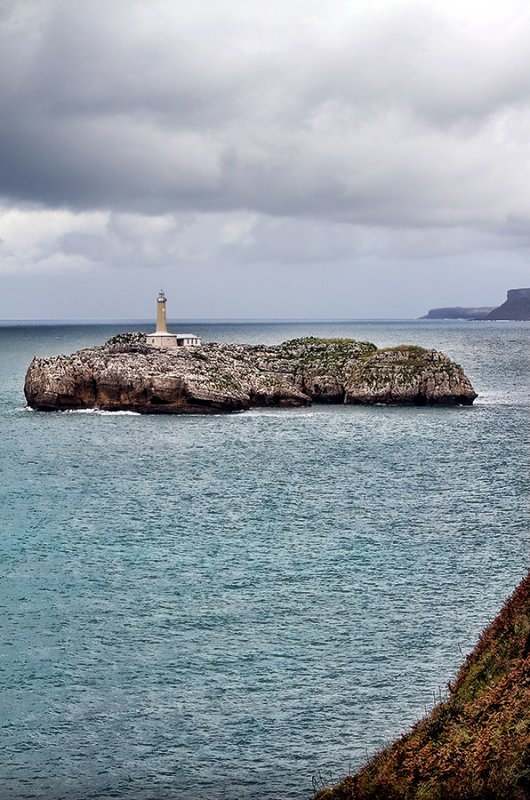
(350, 135)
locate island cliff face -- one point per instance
(127, 374)
(475, 745)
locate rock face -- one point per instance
(475, 745)
(516, 306)
(127, 374)
(458, 312)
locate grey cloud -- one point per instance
(400, 118)
(146, 242)
(138, 107)
(211, 241)
(262, 158)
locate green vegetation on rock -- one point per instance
(127, 373)
(125, 339)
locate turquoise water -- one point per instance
(224, 607)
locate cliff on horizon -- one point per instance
(476, 744)
(128, 374)
(515, 307)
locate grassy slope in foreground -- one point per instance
(474, 746)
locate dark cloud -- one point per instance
(392, 117)
(218, 136)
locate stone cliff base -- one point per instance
(128, 374)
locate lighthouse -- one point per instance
(161, 337)
(161, 321)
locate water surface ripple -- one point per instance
(223, 607)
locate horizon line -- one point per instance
(201, 320)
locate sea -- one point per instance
(251, 605)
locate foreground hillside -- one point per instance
(474, 746)
(128, 374)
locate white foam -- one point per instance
(100, 412)
(501, 399)
(283, 413)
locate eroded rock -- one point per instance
(127, 374)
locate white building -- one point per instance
(161, 337)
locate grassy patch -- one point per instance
(476, 744)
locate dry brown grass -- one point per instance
(475, 745)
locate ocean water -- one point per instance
(246, 606)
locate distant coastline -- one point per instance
(458, 312)
(516, 307)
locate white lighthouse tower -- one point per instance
(161, 321)
(161, 337)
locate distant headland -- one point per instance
(458, 312)
(516, 307)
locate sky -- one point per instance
(262, 158)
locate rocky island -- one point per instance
(476, 744)
(126, 373)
